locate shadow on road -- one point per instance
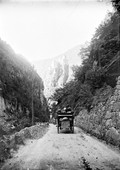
(66, 131)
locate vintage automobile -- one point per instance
(65, 120)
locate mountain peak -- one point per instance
(57, 71)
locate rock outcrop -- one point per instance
(57, 71)
(103, 120)
(2, 106)
(2, 103)
(20, 86)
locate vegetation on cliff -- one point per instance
(94, 94)
(18, 80)
(100, 66)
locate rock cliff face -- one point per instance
(2, 106)
(56, 71)
(103, 120)
(18, 81)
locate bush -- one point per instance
(95, 78)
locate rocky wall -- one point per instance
(2, 106)
(103, 121)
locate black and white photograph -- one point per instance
(59, 85)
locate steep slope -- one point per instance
(17, 81)
(100, 66)
(93, 94)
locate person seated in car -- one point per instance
(68, 109)
(59, 111)
(64, 110)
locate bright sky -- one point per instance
(48, 29)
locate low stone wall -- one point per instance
(103, 121)
(8, 143)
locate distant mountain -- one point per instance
(56, 71)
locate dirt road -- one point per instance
(64, 151)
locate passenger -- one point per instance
(58, 111)
(64, 110)
(68, 109)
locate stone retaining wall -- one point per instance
(8, 143)
(103, 120)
